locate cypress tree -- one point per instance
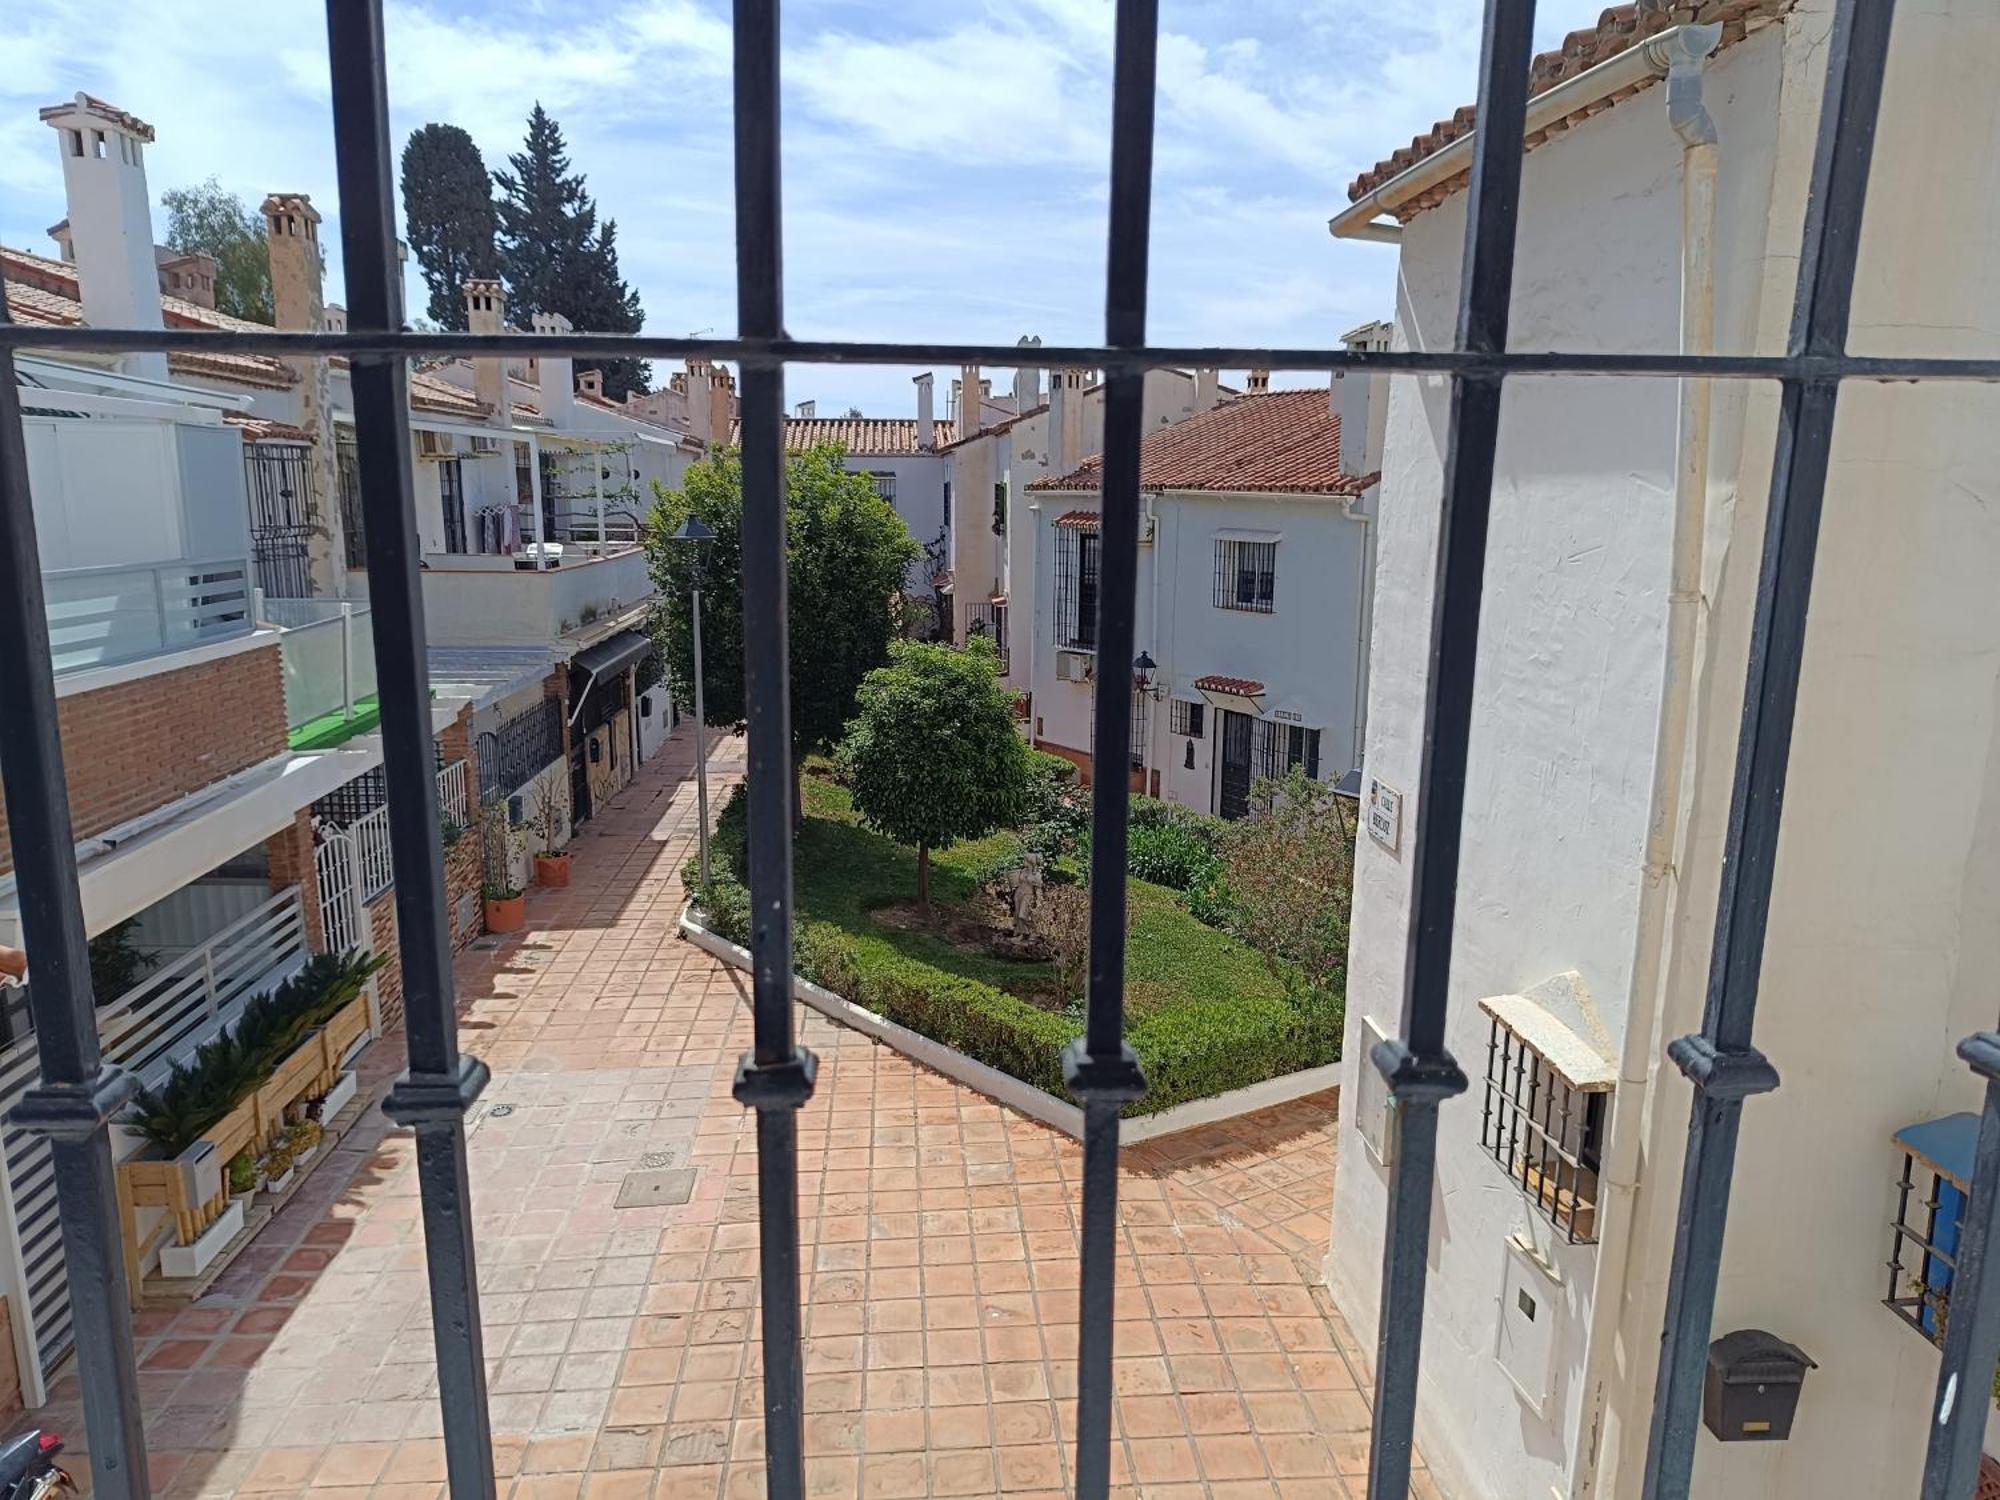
(448, 214)
(556, 257)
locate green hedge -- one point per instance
(1204, 1014)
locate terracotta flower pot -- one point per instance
(507, 915)
(552, 870)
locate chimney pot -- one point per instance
(807, 409)
(1258, 383)
(110, 225)
(926, 385)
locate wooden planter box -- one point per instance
(312, 1068)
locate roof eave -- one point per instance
(1636, 67)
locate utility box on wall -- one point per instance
(1753, 1385)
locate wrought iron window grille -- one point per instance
(80, 1094)
(1246, 575)
(1076, 578)
(1187, 717)
(1545, 1130)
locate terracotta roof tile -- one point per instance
(1271, 442)
(1078, 520)
(1618, 28)
(42, 290)
(1242, 687)
(861, 436)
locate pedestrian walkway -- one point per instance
(939, 1236)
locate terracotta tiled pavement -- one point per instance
(939, 1236)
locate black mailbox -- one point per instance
(1753, 1386)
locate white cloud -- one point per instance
(945, 165)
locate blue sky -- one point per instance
(945, 164)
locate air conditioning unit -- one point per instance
(485, 446)
(435, 446)
(1075, 666)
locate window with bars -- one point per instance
(1187, 717)
(451, 497)
(1246, 575)
(1000, 507)
(1076, 588)
(1142, 708)
(777, 1076)
(515, 752)
(1543, 1116)
(1275, 748)
(885, 484)
(1932, 1189)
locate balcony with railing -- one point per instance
(329, 663)
(473, 599)
(106, 617)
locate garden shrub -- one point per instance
(1169, 854)
(1218, 1030)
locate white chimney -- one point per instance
(336, 318)
(486, 312)
(1259, 382)
(590, 382)
(65, 247)
(1028, 379)
(556, 373)
(807, 409)
(1207, 389)
(926, 384)
(970, 407)
(110, 219)
(1362, 404)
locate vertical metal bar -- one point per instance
(1420, 1071)
(441, 1083)
(78, 1092)
(1972, 1332)
(1720, 1061)
(776, 1076)
(1100, 1069)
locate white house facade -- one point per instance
(1256, 546)
(1627, 522)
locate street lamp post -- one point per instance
(1143, 683)
(694, 532)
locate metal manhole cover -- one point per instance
(654, 1188)
(500, 1111)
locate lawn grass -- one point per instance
(1203, 1011)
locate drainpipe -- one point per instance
(1681, 52)
(1153, 763)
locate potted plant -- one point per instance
(545, 816)
(278, 1168)
(243, 1174)
(506, 904)
(303, 1140)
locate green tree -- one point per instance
(448, 215)
(208, 219)
(847, 552)
(556, 257)
(932, 755)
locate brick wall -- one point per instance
(141, 744)
(389, 979)
(289, 853)
(464, 869)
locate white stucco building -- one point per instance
(1608, 698)
(1256, 546)
(1022, 437)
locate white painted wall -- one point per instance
(487, 601)
(1310, 651)
(919, 501)
(1882, 941)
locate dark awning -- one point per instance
(611, 655)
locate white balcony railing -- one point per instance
(451, 792)
(100, 617)
(370, 831)
(177, 1007)
(329, 654)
